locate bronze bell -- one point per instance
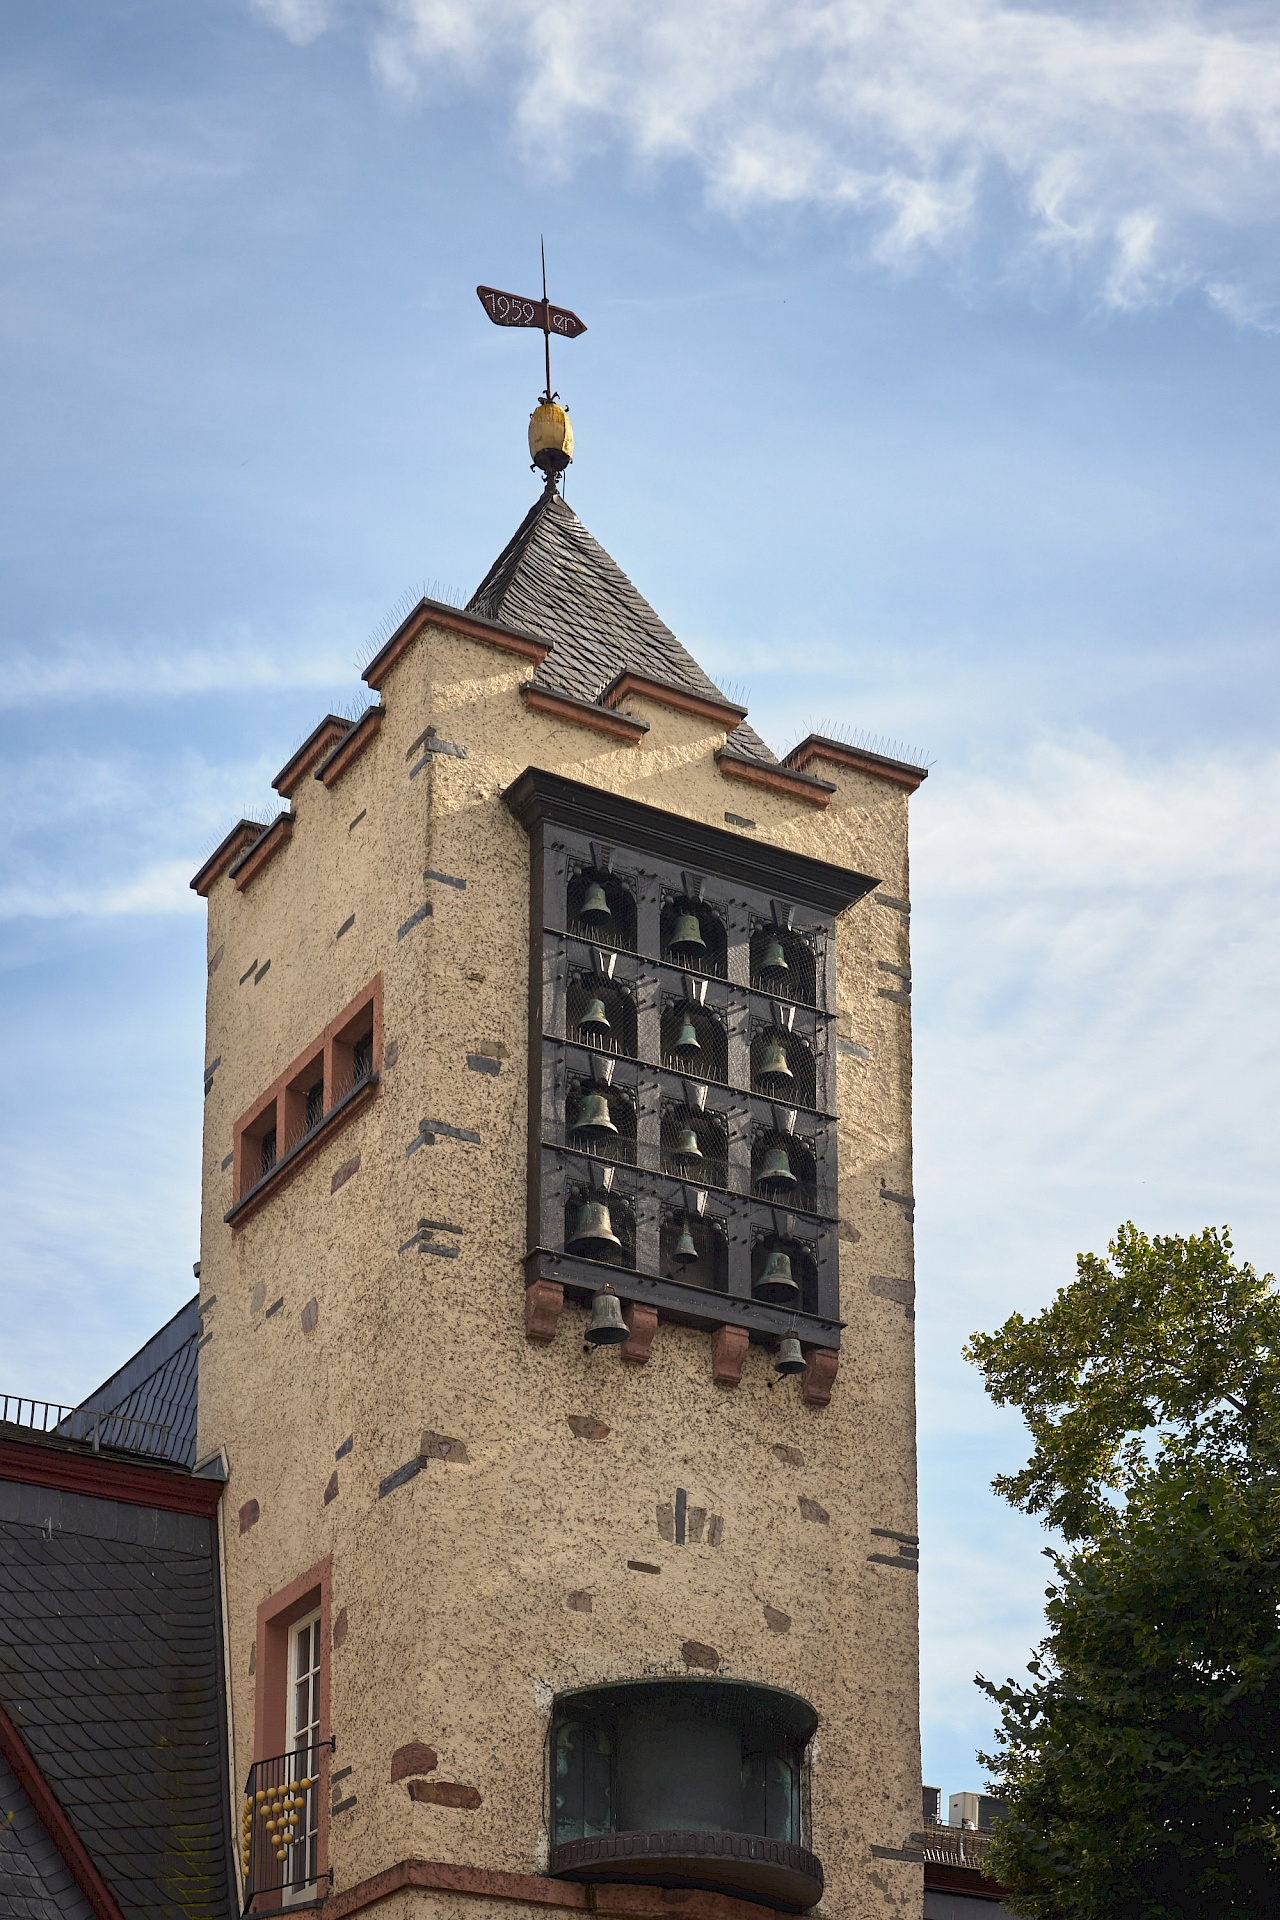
(593, 1115)
(776, 1283)
(595, 1019)
(773, 1062)
(686, 1146)
(775, 1168)
(790, 1358)
(607, 1327)
(687, 935)
(686, 1247)
(593, 1233)
(687, 1041)
(773, 959)
(595, 907)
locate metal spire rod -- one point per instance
(546, 315)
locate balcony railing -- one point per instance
(94, 1426)
(280, 1826)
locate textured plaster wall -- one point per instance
(450, 1596)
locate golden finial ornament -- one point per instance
(550, 429)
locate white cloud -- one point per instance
(299, 20)
(1136, 145)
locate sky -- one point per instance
(930, 392)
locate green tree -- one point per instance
(1141, 1760)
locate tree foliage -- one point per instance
(1141, 1760)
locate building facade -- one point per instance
(556, 1286)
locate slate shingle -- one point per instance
(158, 1383)
(555, 580)
(109, 1669)
(35, 1881)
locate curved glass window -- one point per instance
(711, 1756)
(693, 1783)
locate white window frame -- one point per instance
(303, 1721)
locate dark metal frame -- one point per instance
(659, 856)
(263, 1873)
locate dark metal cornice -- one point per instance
(537, 798)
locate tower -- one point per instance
(556, 1284)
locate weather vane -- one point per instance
(550, 433)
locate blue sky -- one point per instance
(930, 389)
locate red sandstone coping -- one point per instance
(535, 1890)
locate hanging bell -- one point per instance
(687, 1041)
(790, 1358)
(593, 1234)
(773, 1062)
(776, 1283)
(686, 1147)
(607, 1327)
(595, 907)
(593, 1115)
(687, 936)
(775, 1168)
(773, 959)
(595, 1019)
(686, 1247)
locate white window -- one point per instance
(304, 1738)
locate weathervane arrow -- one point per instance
(550, 432)
(513, 310)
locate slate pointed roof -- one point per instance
(158, 1385)
(553, 579)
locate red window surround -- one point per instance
(271, 1704)
(310, 1103)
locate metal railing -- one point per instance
(96, 1426)
(279, 1824)
(945, 1846)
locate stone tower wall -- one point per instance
(500, 1568)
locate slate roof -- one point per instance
(555, 580)
(158, 1383)
(35, 1881)
(110, 1670)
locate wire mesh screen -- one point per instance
(694, 1041)
(601, 1121)
(602, 909)
(768, 1282)
(785, 964)
(694, 937)
(783, 1066)
(602, 1015)
(783, 1168)
(695, 1146)
(599, 1226)
(693, 1250)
